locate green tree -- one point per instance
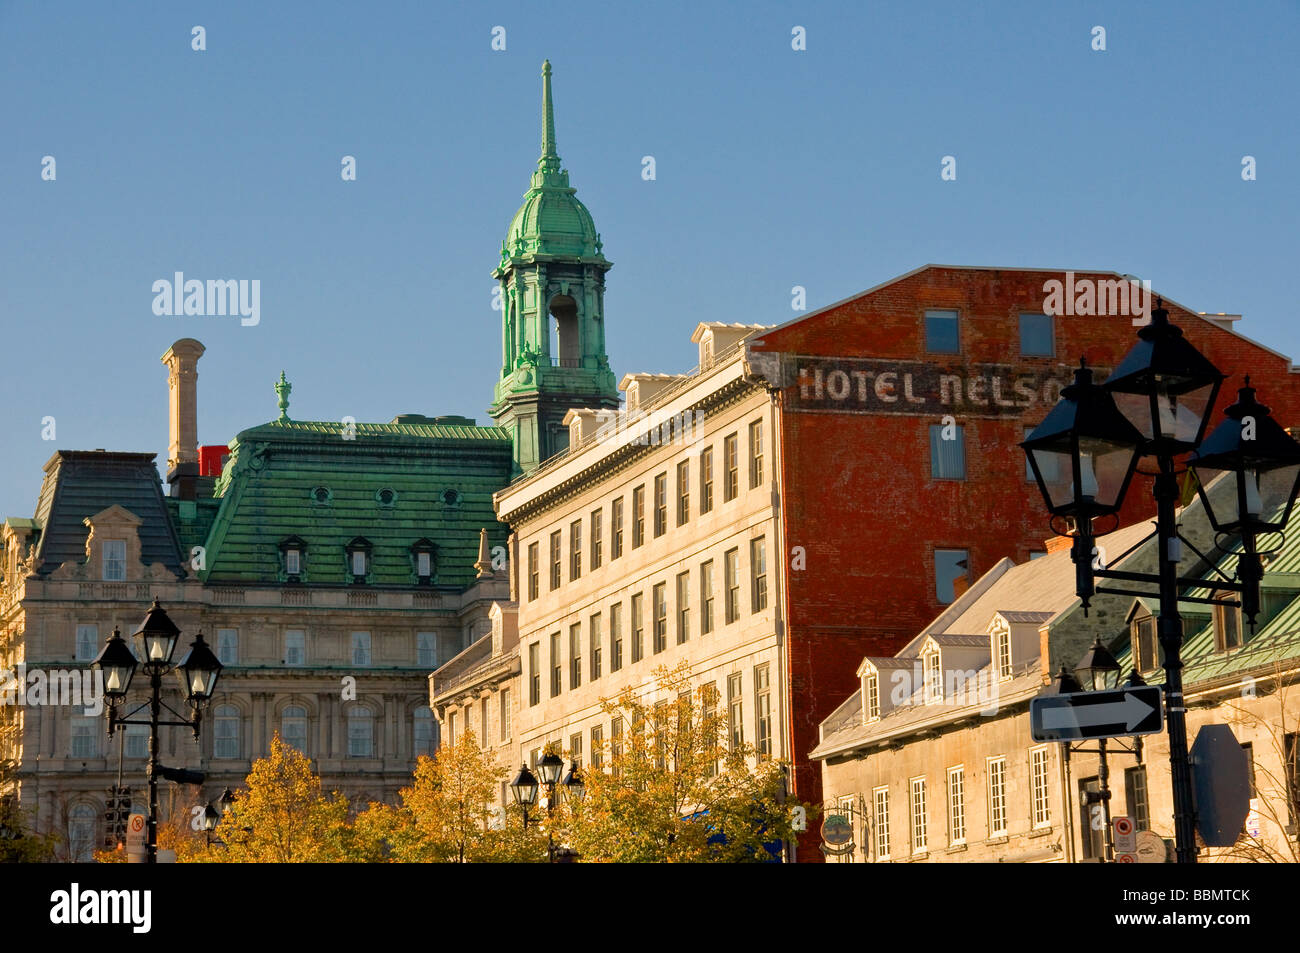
(18, 844)
(674, 790)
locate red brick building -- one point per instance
(882, 515)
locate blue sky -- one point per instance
(775, 168)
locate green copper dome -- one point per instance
(551, 221)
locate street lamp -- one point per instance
(211, 817)
(155, 641)
(526, 785)
(1166, 389)
(1097, 670)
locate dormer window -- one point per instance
(422, 556)
(933, 678)
(872, 688)
(114, 560)
(1002, 644)
(358, 552)
(1227, 625)
(386, 498)
(1142, 631)
(292, 554)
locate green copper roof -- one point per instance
(392, 485)
(551, 220)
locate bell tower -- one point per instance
(552, 275)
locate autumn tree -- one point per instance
(672, 787)
(18, 843)
(447, 814)
(281, 815)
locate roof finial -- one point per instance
(550, 160)
(282, 389)
(484, 564)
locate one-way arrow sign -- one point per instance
(1082, 715)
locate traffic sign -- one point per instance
(1221, 777)
(1082, 715)
(1151, 848)
(1125, 835)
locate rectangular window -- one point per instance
(706, 597)
(503, 714)
(225, 733)
(575, 749)
(683, 492)
(638, 627)
(661, 735)
(1143, 634)
(295, 648)
(933, 678)
(683, 607)
(575, 655)
(706, 480)
(997, 768)
(596, 643)
(941, 334)
(535, 673)
(919, 819)
(557, 666)
(731, 570)
(534, 560)
(1249, 748)
(1038, 787)
(1135, 797)
(597, 538)
(358, 562)
(483, 726)
(137, 741)
(114, 560)
(426, 649)
(84, 737)
(361, 648)
(709, 706)
(597, 747)
(1037, 337)
(661, 504)
(555, 560)
(735, 712)
(758, 574)
(228, 646)
(762, 713)
(731, 468)
(949, 566)
(873, 696)
(616, 528)
(880, 817)
(575, 550)
(660, 597)
(451, 728)
(87, 643)
(947, 452)
(755, 454)
(1227, 625)
(292, 562)
(638, 516)
(423, 565)
(957, 805)
(616, 636)
(1003, 639)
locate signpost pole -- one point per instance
(1103, 778)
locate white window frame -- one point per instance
(358, 562)
(957, 805)
(221, 719)
(293, 561)
(1040, 787)
(114, 567)
(873, 696)
(919, 815)
(933, 677)
(880, 821)
(424, 563)
(997, 795)
(1003, 644)
(83, 737)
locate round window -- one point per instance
(320, 494)
(386, 497)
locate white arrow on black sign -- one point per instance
(1081, 715)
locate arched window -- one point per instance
(361, 735)
(423, 731)
(81, 833)
(293, 727)
(225, 732)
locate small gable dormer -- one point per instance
(1014, 641)
(886, 684)
(950, 666)
(113, 544)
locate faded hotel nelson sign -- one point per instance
(873, 386)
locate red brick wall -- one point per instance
(857, 492)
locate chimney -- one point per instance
(182, 360)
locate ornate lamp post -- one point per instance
(155, 641)
(525, 788)
(1165, 389)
